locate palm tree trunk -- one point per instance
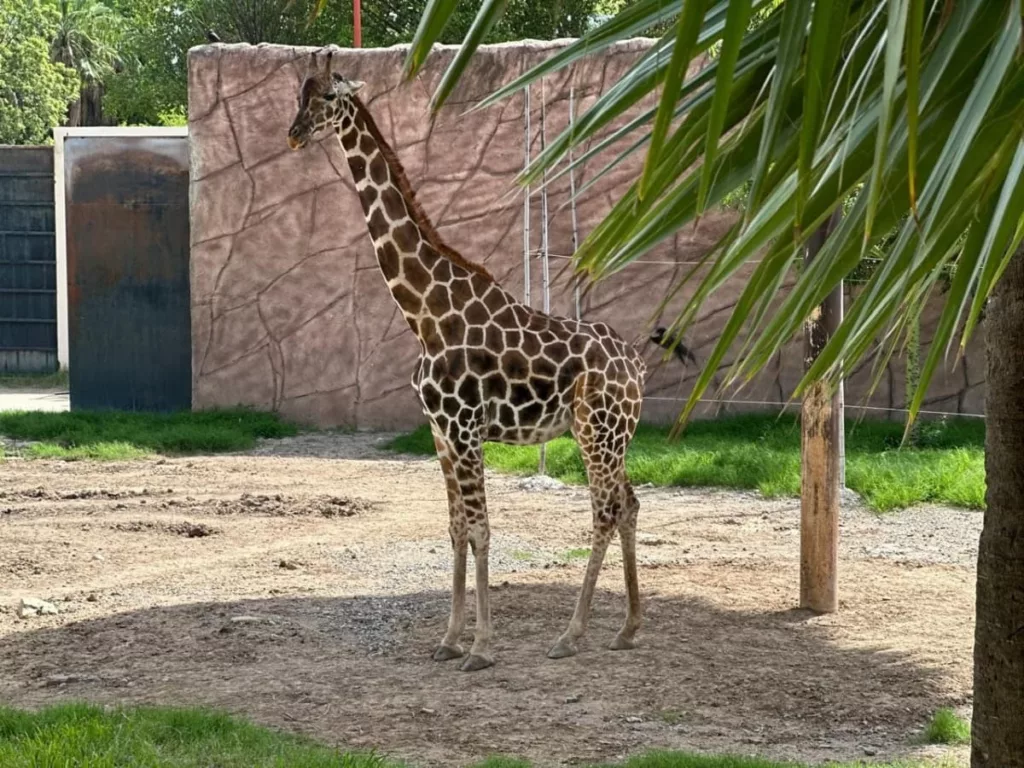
(75, 112)
(998, 726)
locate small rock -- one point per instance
(652, 540)
(541, 483)
(33, 606)
(870, 751)
(573, 698)
(92, 599)
(634, 719)
(99, 557)
(246, 620)
(288, 565)
(53, 680)
(427, 711)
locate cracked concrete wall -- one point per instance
(289, 310)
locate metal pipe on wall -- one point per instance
(545, 267)
(526, 201)
(572, 207)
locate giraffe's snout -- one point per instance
(297, 137)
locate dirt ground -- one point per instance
(305, 584)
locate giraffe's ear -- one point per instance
(355, 85)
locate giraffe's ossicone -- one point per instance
(490, 368)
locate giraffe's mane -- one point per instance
(415, 209)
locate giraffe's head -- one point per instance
(324, 100)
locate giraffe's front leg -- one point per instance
(449, 647)
(469, 468)
(481, 655)
(457, 530)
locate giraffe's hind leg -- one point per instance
(624, 640)
(603, 432)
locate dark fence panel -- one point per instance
(129, 328)
(28, 262)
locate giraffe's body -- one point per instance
(490, 369)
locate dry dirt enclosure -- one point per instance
(304, 584)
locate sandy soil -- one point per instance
(305, 584)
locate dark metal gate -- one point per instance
(129, 328)
(28, 284)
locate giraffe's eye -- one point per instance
(330, 96)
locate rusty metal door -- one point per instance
(129, 331)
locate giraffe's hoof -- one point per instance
(622, 643)
(562, 650)
(448, 652)
(475, 662)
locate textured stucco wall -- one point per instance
(289, 310)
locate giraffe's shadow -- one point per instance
(357, 671)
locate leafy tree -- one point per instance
(87, 38)
(152, 87)
(387, 24)
(919, 101)
(153, 82)
(34, 91)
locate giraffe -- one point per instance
(489, 369)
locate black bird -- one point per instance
(681, 351)
(212, 36)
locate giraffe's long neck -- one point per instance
(407, 247)
(395, 234)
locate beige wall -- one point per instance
(289, 310)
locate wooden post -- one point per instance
(357, 24)
(820, 478)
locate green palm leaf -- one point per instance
(912, 109)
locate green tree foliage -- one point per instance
(387, 24)
(153, 81)
(152, 87)
(87, 40)
(34, 90)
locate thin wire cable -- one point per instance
(777, 404)
(665, 262)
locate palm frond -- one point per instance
(906, 114)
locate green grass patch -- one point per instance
(81, 735)
(946, 727)
(117, 435)
(94, 737)
(57, 380)
(762, 452)
(688, 760)
(573, 555)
